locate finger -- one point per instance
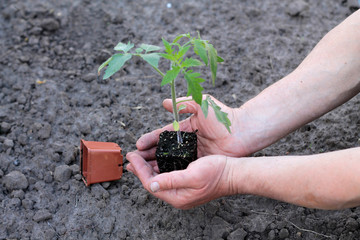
(172, 180)
(142, 169)
(191, 106)
(148, 155)
(151, 139)
(130, 168)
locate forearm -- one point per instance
(325, 181)
(328, 77)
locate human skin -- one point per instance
(328, 77)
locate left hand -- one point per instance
(204, 180)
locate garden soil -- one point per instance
(50, 98)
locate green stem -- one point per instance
(175, 112)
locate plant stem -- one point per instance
(175, 112)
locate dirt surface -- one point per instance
(51, 98)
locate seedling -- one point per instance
(179, 65)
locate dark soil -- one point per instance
(170, 155)
(50, 98)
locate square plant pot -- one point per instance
(100, 161)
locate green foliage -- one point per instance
(180, 64)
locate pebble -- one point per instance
(16, 162)
(62, 173)
(89, 77)
(18, 194)
(352, 224)
(48, 178)
(50, 24)
(27, 204)
(15, 180)
(5, 127)
(238, 234)
(297, 8)
(284, 233)
(271, 235)
(8, 143)
(42, 215)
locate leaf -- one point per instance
(181, 107)
(167, 56)
(205, 107)
(191, 62)
(194, 87)
(139, 50)
(213, 61)
(220, 59)
(123, 47)
(149, 48)
(170, 75)
(151, 58)
(167, 46)
(220, 115)
(201, 51)
(177, 38)
(104, 64)
(176, 126)
(182, 52)
(115, 64)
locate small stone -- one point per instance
(75, 169)
(27, 204)
(50, 24)
(48, 178)
(42, 215)
(99, 192)
(352, 224)
(5, 127)
(44, 132)
(8, 143)
(16, 162)
(271, 235)
(105, 184)
(15, 180)
(1, 173)
(78, 177)
(89, 77)
(238, 234)
(18, 194)
(298, 8)
(14, 202)
(62, 173)
(284, 233)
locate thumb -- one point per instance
(171, 180)
(191, 106)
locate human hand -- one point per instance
(213, 138)
(204, 180)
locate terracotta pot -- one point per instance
(100, 161)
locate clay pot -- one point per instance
(100, 161)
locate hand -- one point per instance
(204, 180)
(213, 138)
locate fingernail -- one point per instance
(155, 187)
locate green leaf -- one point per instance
(213, 61)
(201, 51)
(220, 59)
(194, 87)
(123, 47)
(139, 50)
(176, 126)
(177, 38)
(220, 115)
(205, 107)
(167, 56)
(170, 75)
(191, 62)
(167, 46)
(181, 107)
(182, 52)
(149, 48)
(104, 64)
(115, 64)
(151, 58)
